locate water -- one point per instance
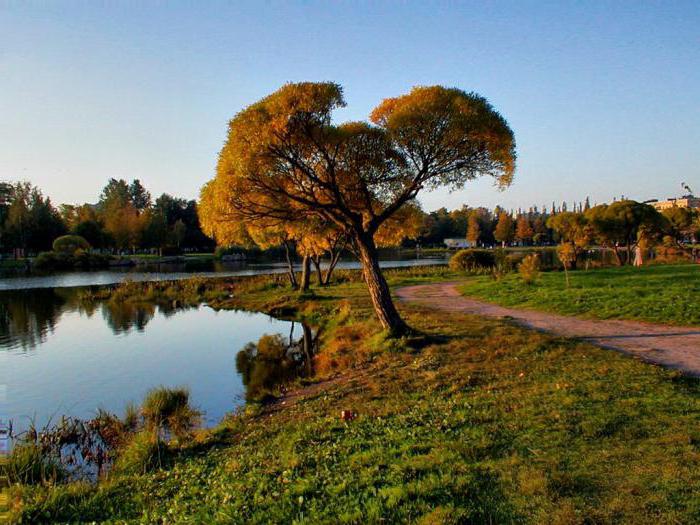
(60, 356)
(173, 272)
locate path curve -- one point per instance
(671, 346)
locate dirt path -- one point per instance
(671, 346)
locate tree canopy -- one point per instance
(285, 161)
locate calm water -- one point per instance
(59, 356)
(172, 272)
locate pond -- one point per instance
(62, 356)
(182, 271)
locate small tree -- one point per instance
(504, 229)
(473, 229)
(179, 230)
(567, 255)
(529, 269)
(682, 225)
(573, 230)
(619, 223)
(523, 230)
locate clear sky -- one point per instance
(603, 97)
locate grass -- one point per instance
(657, 293)
(482, 422)
(12, 265)
(29, 466)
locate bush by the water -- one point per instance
(80, 259)
(472, 260)
(144, 453)
(169, 409)
(70, 244)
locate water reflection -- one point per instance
(64, 353)
(26, 317)
(274, 361)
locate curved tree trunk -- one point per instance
(305, 273)
(290, 267)
(317, 266)
(378, 288)
(335, 257)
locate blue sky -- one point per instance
(603, 97)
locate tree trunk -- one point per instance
(290, 267)
(378, 288)
(629, 252)
(307, 344)
(618, 259)
(305, 273)
(335, 257)
(317, 265)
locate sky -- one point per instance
(603, 97)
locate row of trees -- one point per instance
(28, 220)
(627, 228)
(484, 227)
(613, 225)
(125, 218)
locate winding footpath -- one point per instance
(671, 346)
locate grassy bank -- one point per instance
(656, 293)
(477, 421)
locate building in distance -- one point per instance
(686, 201)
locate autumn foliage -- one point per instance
(286, 166)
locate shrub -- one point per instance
(144, 453)
(53, 261)
(529, 269)
(69, 244)
(169, 409)
(132, 417)
(58, 260)
(29, 465)
(86, 260)
(472, 260)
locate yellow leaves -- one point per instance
(452, 127)
(404, 224)
(287, 169)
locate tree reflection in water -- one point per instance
(28, 316)
(274, 361)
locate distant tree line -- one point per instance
(124, 219)
(619, 226)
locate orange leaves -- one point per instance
(455, 134)
(285, 164)
(406, 223)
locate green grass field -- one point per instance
(658, 293)
(478, 421)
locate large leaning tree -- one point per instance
(285, 160)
